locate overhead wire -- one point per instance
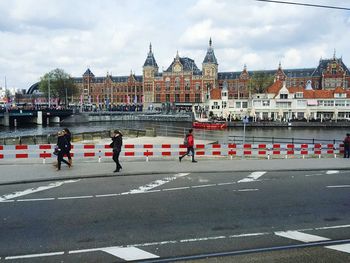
(305, 4)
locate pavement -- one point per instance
(26, 172)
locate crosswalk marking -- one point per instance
(343, 248)
(129, 253)
(296, 235)
(252, 177)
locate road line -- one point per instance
(247, 190)
(34, 200)
(203, 185)
(75, 197)
(230, 183)
(332, 227)
(338, 186)
(249, 235)
(296, 235)
(107, 195)
(177, 188)
(343, 248)
(155, 184)
(252, 177)
(332, 172)
(35, 255)
(34, 190)
(129, 253)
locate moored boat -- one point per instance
(209, 125)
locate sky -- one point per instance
(37, 36)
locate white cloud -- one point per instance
(114, 35)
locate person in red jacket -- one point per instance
(189, 142)
(347, 146)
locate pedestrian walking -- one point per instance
(116, 145)
(347, 146)
(62, 146)
(189, 142)
(68, 136)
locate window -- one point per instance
(340, 103)
(167, 85)
(299, 95)
(283, 96)
(157, 87)
(157, 97)
(198, 86)
(187, 97)
(177, 97)
(167, 97)
(187, 85)
(197, 97)
(265, 103)
(238, 104)
(244, 104)
(177, 84)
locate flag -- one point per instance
(127, 99)
(97, 100)
(81, 99)
(135, 99)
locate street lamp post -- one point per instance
(49, 93)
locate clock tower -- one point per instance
(150, 69)
(209, 72)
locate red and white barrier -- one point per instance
(45, 151)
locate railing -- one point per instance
(147, 151)
(292, 140)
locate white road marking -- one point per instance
(107, 195)
(156, 183)
(332, 172)
(307, 175)
(296, 235)
(75, 197)
(332, 227)
(129, 253)
(203, 185)
(34, 190)
(338, 186)
(177, 188)
(159, 243)
(252, 177)
(35, 199)
(343, 248)
(35, 255)
(226, 183)
(247, 190)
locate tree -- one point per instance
(260, 81)
(62, 85)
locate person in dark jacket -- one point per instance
(62, 146)
(117, 142)
(347, 146)
(190, 145)
(68, 136)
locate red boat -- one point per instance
(210, 125)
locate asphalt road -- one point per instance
(290, 216)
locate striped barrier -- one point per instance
(45, 151)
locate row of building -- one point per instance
(318, 93)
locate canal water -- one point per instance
(179, 128)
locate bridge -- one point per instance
(45, 116)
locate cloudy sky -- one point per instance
(37, 36)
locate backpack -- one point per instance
(186, 140)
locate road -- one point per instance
(285, 216)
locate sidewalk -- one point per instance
(36, 172)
